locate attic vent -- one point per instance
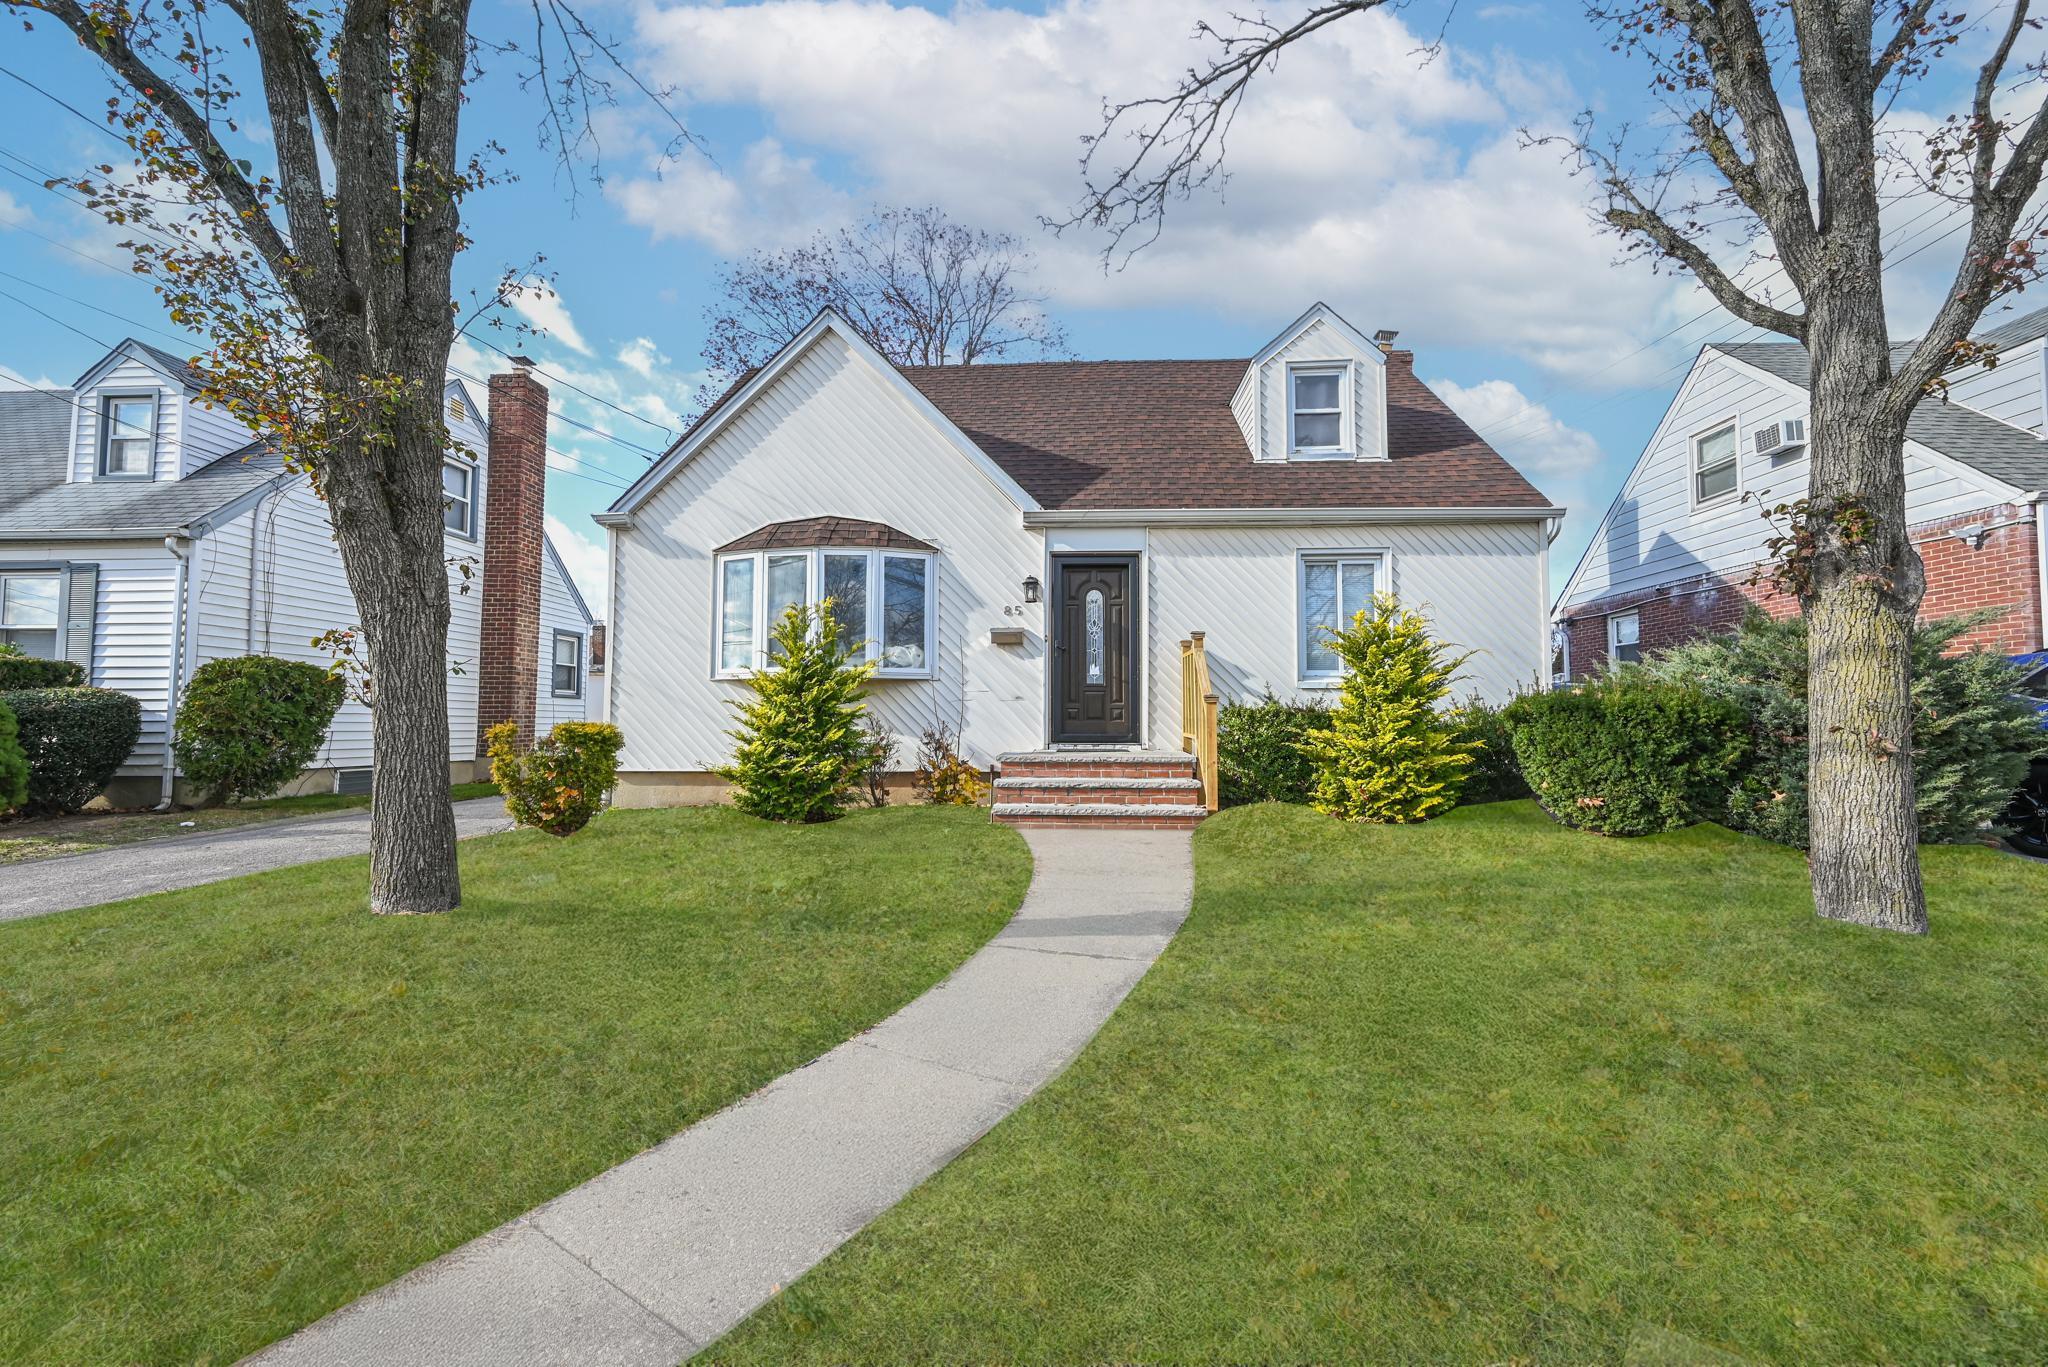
(1779, 439)
(457, 409)
(352, 782)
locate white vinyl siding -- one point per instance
(831, 436)
(1479, 584)
(2013, 391)
(1654, 535)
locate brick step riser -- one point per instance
(1120, 797)
(1136, 821)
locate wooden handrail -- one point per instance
(1198, 708)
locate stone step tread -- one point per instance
(1086, 809)
(1096, 757)
(1096, 781)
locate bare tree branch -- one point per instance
(1180, 138)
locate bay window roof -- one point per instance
(827, 531)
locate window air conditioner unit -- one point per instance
(1779, 438)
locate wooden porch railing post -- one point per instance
(1199, 707)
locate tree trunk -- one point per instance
(1860, 605)
(392, 549)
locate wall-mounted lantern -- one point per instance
(1031, 589)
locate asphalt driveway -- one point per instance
(66, 882)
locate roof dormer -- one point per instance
(1318, 391)
(140, 417)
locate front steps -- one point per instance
(1120, 789)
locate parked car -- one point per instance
(2026, 820)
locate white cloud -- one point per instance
(641, 356)
(10, 378)
(540, 305)
(1358, 173)
(583, 556)
(1559, 459)
(1527, 433)
(13, 213)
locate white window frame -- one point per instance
(1614, 619)
(1731, 425)
(107, 436)
(467, 531)
(7, 629)
(1380, 559)
(1347, 436)
(814, 579)
(554, 652)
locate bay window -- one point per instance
(881, 600)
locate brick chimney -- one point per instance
(515, 491)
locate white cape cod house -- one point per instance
(1024, 547)
(143, 533)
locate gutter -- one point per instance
(1275, 517)
(180, 550)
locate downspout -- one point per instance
(2039, 499)
(179, 550)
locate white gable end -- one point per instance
(1318, 391)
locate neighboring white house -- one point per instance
(143, 533)
(1024, 546)
(1674, 556)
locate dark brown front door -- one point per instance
(1095, 656)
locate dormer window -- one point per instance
(127, 436)
(1319, 411)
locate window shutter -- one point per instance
(81, 596)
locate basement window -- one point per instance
(881, 600)
(1624, 638)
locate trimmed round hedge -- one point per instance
(249, 723)
(1627, 755)
(74, 740)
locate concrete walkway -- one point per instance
(68, 881)
(654, 1259)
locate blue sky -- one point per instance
(1392, 187)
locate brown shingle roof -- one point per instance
(1159, 434)
(827, 531)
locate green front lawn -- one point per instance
(26, 838)
(226, 1111)
(1488, 1090)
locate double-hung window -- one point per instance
(881, 600)
(1334, 587)
(1624, 638)
(1318, 410)
(28, 613)
(1714, 474)
(127, 436)
(458, 497)
(568, 660)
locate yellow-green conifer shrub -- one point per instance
(1387, 754)
(800, 749)
(560, 783)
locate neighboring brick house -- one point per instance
(1676, 554)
